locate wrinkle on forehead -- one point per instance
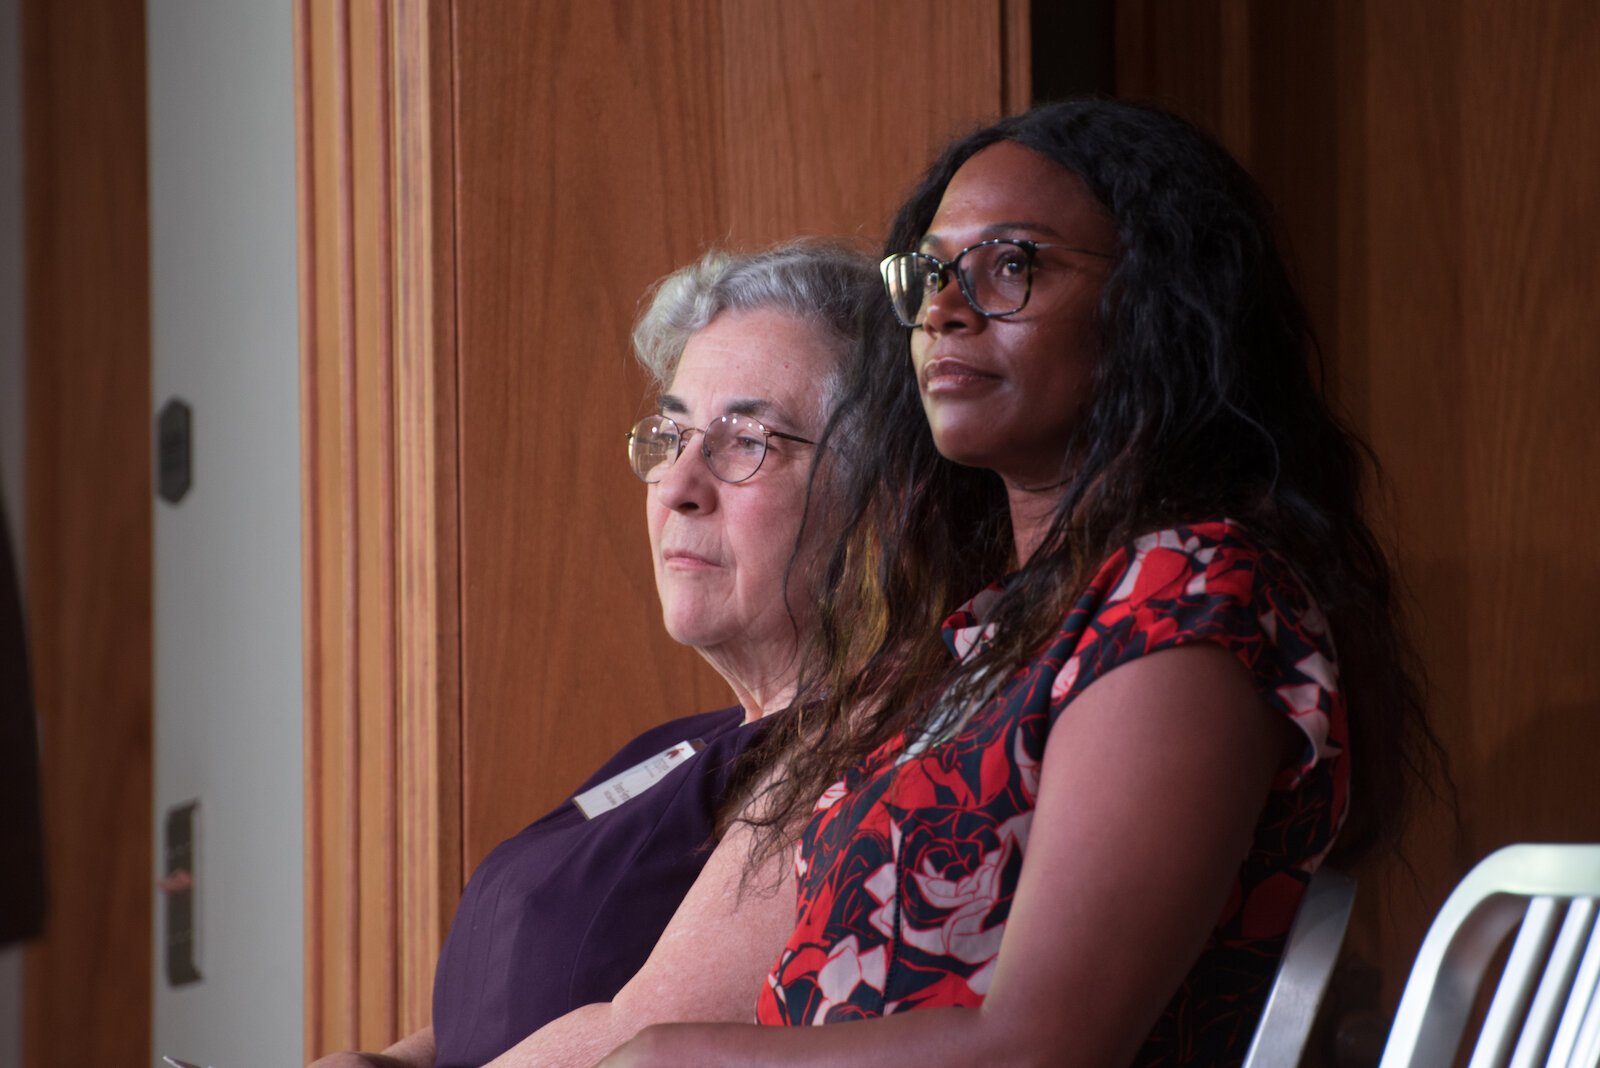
(764, 364)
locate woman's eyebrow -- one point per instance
(767, 411)
(1003, 229)
(754, 407)
(997, 229)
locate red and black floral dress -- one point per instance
(907, 869)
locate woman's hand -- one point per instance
(352, 1059)
(413, 1051)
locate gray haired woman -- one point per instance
(746, 352)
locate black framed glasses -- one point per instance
(995, 276)
(733, 446)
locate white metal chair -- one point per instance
(1308, 959)
(1545, 1010)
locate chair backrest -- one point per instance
(1545, 1010)
(1308, 959)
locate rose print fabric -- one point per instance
(907, 868)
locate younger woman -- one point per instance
(1069, 821)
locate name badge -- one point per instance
(635, 781)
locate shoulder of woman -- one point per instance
(1220, 557)
(1213, 583)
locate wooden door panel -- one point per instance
(1440, 178)
(599, 146)
(486, 189)
(1481, 402)
(374, 100)
(88, 571)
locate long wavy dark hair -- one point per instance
(1206, 402)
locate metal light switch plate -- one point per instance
(178, 885)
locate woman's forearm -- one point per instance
(932, 1036)
(578, 1039)
(414, 1051)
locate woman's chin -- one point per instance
(698, 630)
(685, 632)
(958, 448)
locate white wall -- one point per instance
(11, 406)
(227, 559)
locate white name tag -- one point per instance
(635, 781)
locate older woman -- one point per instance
(1071, 825)
(746, 351)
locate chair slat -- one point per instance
(1587, 1054)
(1556, 986)
(1517, 982)
(1466, 935)
(1565, 1044)
(1308, 959)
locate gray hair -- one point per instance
(828, 285)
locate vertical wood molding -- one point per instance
(307, 219)
(428, 518)
(378, 382)
(88, 515)
(347, 713)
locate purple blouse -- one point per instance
(563, 913)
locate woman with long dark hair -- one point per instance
(1069, 821)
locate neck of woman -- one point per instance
(756, 684)
(1032, 511)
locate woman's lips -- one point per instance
(686, 560)
(949, 375)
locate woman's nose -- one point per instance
(948, 310)
(688, 484)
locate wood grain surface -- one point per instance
(1436, 177)
(428, 785)
(88, 584)
(599, 146)
(1437, 167)
(354, 927)
(1483, 372)
(486, 191)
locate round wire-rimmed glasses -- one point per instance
(733, 446)
(995, 276)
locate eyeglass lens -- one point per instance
(994, 276)
(733, 446)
